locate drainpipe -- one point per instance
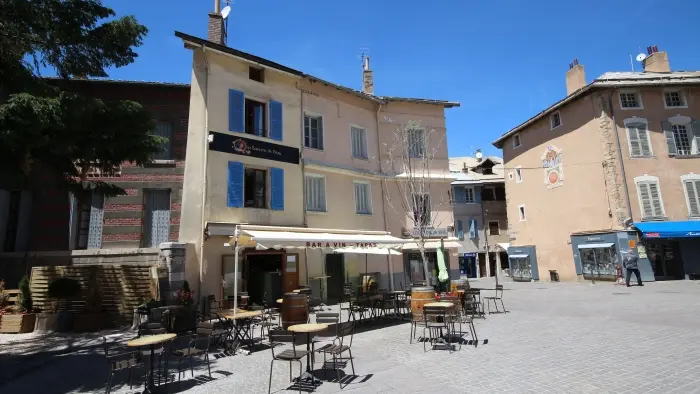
(619, 155)
(204, 167)
(303, 179)
(382, 180)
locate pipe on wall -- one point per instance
(204, 167)
(386, 222)
(619, 156)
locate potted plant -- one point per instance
(64, 290)
(17, 319)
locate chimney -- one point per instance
(367, 80)
(575, 77)
(215, 28)
(656, 62)
(465, 169)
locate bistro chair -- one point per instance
(472, 302)
(328, 336)
(498, 297)
(340, 345)
(277, 338)
(119, 362)
(437, 322)
(198, 346)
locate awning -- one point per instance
(320, 240)
(503, 246)
(684, 229)
(383, 251)
(518, 256)
(447, 243)
(596, 246)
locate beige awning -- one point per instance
(503, 246)
(382, 251)
(448, 243)
(344, 239)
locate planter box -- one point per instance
(89, 322)
(14, 324)
(45, 322)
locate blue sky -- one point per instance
(503, 60)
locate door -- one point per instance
(335, 270)
(521, 269)
(665, 260)
(228, 275)
(290, 272)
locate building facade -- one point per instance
(481, 221)
(45, 225)
(610, 168)
(273, 152)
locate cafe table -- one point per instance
(151, 341)
(308, 328)
(241, 327)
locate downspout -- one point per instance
(619, 155)
(382, 180)
(303, 179)
(204, 167)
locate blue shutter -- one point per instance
(236, 111)
(460, 229)
(477, 195)
(276, 120)
(277, 189)
(235, 185)
(472, 229)
(96, 219)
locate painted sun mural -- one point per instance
(553, 170)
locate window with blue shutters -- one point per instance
(157, 224)
(473, 232)
(277, 189)
(459, 229)
(276, 120)
(477, 195)
(236, 111)
(234, 196)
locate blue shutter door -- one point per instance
(472, 228)
(158, 217)
(236, 111)
(235, 185)
(477, 195)
(277, 189)
(276, 120)
(460, 229)
(96, 216)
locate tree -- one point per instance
(25, 295)
(43, 125)
(409, 162)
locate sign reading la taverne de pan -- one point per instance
(237, 145)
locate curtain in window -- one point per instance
(94, 239)
(157, 217)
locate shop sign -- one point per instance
(652, 235)
(594, 239)
(237, 145)
(430, 232)
(631, 243)
(553, 170)
(470, 254)
(335, 245)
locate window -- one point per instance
(516, 140)
(500, 193)
(313, 132)
(315, 193)
(521, 213)
(638, 137)
(691, 185)
(459, 229)
(674, 99)
(89, 216)
(518, 174)
(255, 188)
(421, 209)
(157, 223)
(630, 100)
(255, 118)
(416, 143)
(165, 130)
(650, 200)
(469, 195)
(256, 74)
(363, 198)
(494, 228)
(487, 194)
(682, 136)
(555, 120)
(11, 201)
(358, 138)
(463, 194)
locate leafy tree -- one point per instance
(43, 125)
(25, 295)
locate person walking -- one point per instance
(629, 260)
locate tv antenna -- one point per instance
(224, 14)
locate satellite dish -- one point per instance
(226, 11)
(479, 155)
(641, 57)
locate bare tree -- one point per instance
(408, 163)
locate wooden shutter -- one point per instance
(670, 141)
(234, 197)
(276, 120)
(695, 143)
(635, 144)
(692, 188)
(96, 220)
(157, 217)
(644, 146)
(656, 199)
(647, 210)
(277, 189)
(236, 111)
(477, 194)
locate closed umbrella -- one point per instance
(442, 274)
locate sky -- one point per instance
(503, 60)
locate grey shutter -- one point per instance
(4, 214)
(696, 137)
(655, 199)
(647, 210)
(158, 217)
(692, 188)
(96, 221)
(670, 141)
(320, 133)
(635, 146)
(643, 133)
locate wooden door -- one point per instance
(290, 272)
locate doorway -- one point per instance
(335, 270)
(482, 265)
(665, 260)
(264, 278)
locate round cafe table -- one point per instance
(308, 328)
(442, 304)
(152, 341)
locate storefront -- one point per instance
(413, 263)
(468, 266)
(672, 248)
(522, 263)
(597, 255)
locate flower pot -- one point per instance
(14, 324)
(45, 322)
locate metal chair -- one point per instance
(328, 336)
(119, 362)
(198, 346)
(497, 297)
(472, 302)
(436, 321)
(277, 338)
(342, 344)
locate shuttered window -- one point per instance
(157, 217)
(459, 229)
(90, 218)
(638, 136)
(363, 198)
(313, 132)
(692, 192)
(165, 130)
(416, 143)
(650, 199)
(315, 193)
(682, 139)
(358, 138)
(473, 230)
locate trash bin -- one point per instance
(553, 276)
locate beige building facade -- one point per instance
(610, 168)
(273, 152)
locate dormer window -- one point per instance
(256, 74)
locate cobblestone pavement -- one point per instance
(557, 337)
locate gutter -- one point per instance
(204, 167)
